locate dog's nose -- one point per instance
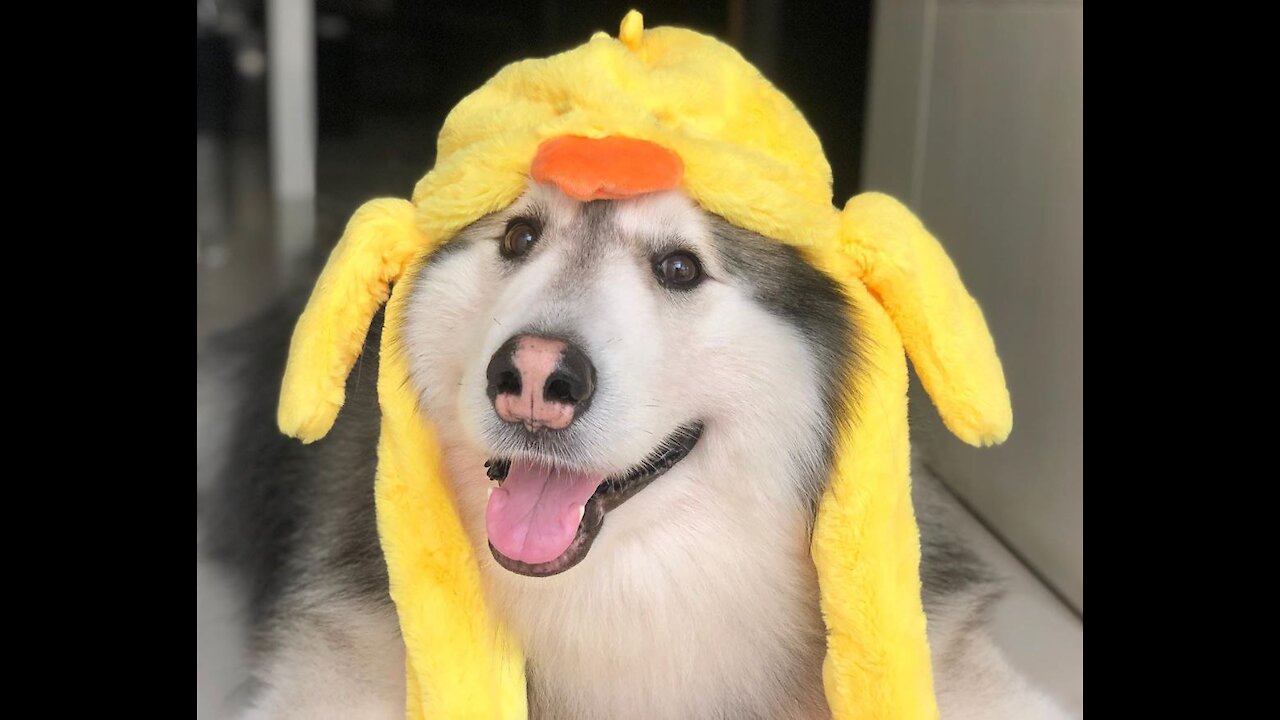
(540, 382)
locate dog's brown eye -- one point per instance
(679, 271)
(520, 237)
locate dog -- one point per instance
(672, 383)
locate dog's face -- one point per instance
(620, 364)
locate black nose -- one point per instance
(540, 381)
(574, 379)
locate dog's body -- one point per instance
(697, 597)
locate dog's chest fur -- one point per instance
(714, 614)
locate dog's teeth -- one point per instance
(581, 511)
(490, 492)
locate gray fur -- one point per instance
(298, 520)
(811, 302)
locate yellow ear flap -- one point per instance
(379, 242)
(941, 325)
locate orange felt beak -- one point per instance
(606, 168)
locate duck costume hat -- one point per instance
(653, 110)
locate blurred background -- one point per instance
(970, 111)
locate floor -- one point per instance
(248, 251)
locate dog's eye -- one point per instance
(678, 271)
(520, 237)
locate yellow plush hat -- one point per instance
(744, 152)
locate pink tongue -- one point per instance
(534, 516)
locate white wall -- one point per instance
(976, 120)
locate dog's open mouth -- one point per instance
(542, 519)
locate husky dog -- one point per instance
(649, 394)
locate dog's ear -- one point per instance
(941, 325)
(379, 242)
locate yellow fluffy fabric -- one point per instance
(750, 157)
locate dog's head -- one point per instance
(582, 349)
(588, 348)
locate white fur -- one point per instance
(343, 661)
(698, 599)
